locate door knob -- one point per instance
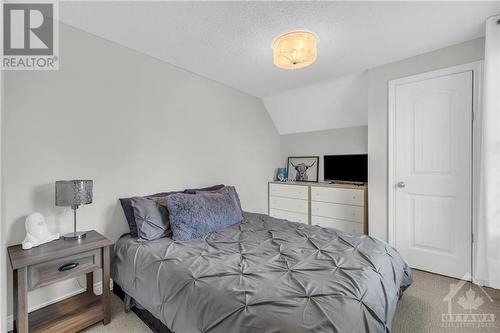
(401, 184)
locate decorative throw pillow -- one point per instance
(193, 216)
(224, 189)
(151, 217)
(128, 210)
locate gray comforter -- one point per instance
(265, 275)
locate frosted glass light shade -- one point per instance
(295, 50)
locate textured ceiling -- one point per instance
(230, 42)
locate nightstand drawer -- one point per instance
(60, 269)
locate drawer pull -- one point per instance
(67, 267)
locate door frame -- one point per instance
(477, 72)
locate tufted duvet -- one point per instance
(265, 275)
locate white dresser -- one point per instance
(339, 206)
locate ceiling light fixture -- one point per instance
(294, 50)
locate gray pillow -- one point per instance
(151, 217)
(195, 215)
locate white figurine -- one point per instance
(37, 232)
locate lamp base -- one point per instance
(75, 235)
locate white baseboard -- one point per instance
(97, 291)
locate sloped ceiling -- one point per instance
(337, 103)
(230, 42)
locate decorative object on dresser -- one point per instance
(53, 262)
(37, 232)
(281, 174)
(339, 206)
(73, 193)
(303, 168)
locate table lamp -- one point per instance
(73, 193)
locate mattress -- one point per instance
(265, 275)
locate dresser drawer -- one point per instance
(347, 226)
(60, 269)
(290, 216)
(337, 211)
(292, 205)
(338, 195)
(289, 191)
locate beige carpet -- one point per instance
(420, 309)
(121, 322)
(422, 306)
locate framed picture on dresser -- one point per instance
(303, 168)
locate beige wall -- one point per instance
(350, 140)
(133, 124)
(377, 117)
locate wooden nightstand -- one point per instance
(56, 261)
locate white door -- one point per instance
(433, 172)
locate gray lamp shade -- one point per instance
(73, 192)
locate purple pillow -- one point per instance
(193, 216)
(223, 189)
(210, 188)
(128, 210)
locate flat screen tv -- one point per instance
(346, 168)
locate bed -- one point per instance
(265, 275)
